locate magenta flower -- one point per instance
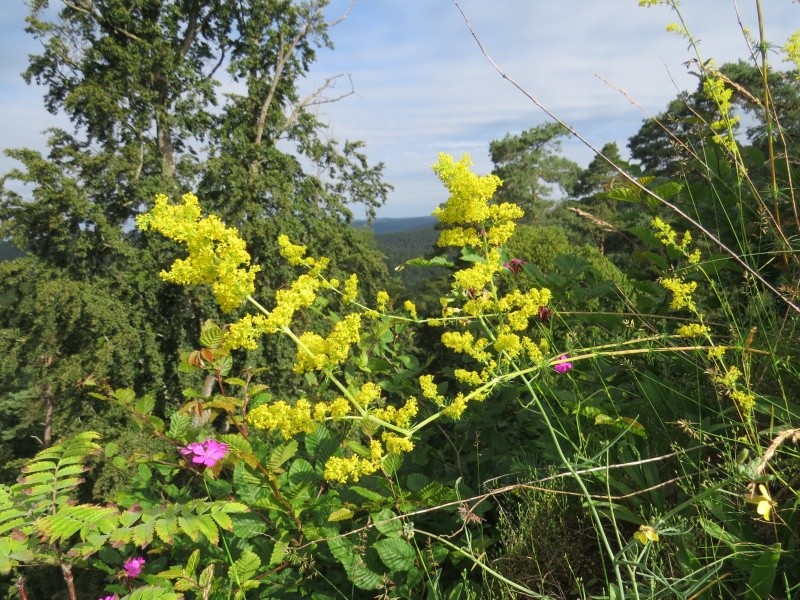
(562, 367)
(514, 265)
(133, 566)
(206, 453)
(114, 597)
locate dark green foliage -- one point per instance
(139, 80)
(531, 169)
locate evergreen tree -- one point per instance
(530, 167)
(144, 84)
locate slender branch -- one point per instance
(628, 177)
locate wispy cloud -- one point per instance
(422, 86)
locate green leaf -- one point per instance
(436, 261)
(193, 561)
(210, 335)
(179, 425)
(145, 405)
(281, 454)
(762, 576)
(340, 514)
(391, 463)
(278, 552)
(396, 553)
(246, 567)
(365, 579)
(152, 593)
(366, 493)
(247, 525)
(125, 396)
(387, 523)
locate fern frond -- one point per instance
(52, 474)
(86, 519)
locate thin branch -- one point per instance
(632, 180)
(99, 18)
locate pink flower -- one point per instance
(133, 566)
(114, 597)
(562, 367)
(206, 453)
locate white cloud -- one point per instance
(422, 86)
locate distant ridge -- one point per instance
(385, 225)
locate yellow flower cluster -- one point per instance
(715, 90)
(729, 381)
(792, 49)
(519, 307)
(301, 417)
(350, 289)
(351, 468)
(315, 353)
(381, 300)
(468, 216)
(744, 400)
(465, 343)
(692, 330)
(281, 416)
(400, 417)
(295, 254)
(217, 255)
(667, 236)
(681, 292)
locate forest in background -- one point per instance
(587, 389)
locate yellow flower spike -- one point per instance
(681, 292)
(764, 502)
(692, 330)
(381, 300)
(646, 534)
(217, 255)
(350, 289)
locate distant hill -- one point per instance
(392, 225)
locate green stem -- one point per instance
(225, 544)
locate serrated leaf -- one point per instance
(396, 553)
(391, 463)
(247, 526)
(366, 493)
(365, 579)
(210, 335)
(278, 552)
(281, 454)
(246, 567)
(436, 261)
(125, 395)
(206, 576)
(387, 523)
(340, 514)
(192, 562)
(145, 405)
(152, 593)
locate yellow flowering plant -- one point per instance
(489, 327)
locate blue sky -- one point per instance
(421, 85)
